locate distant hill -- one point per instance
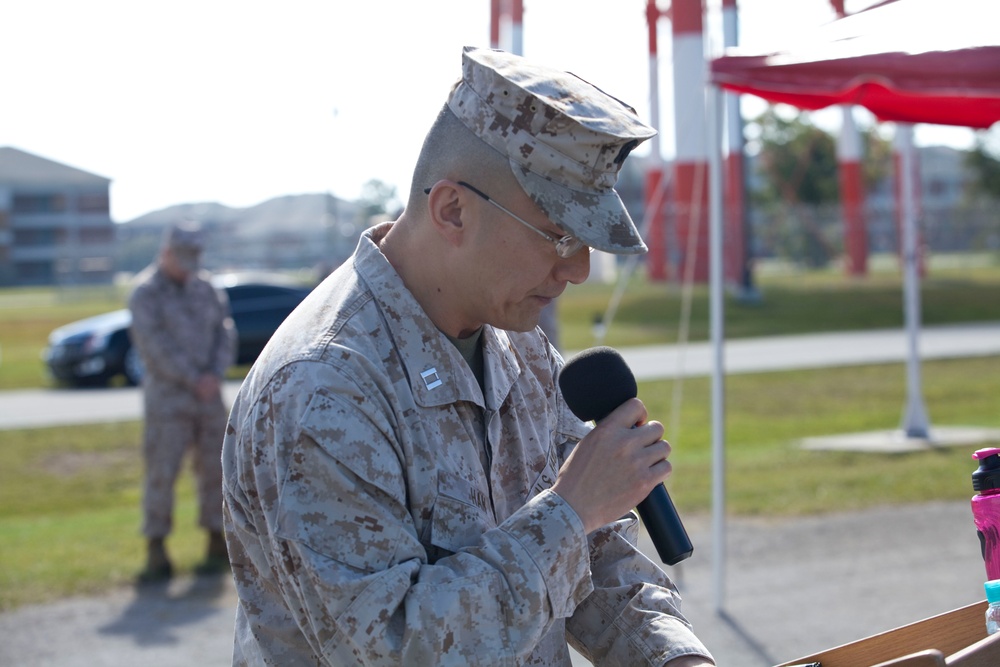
(287, 232)
(303, 212)
(201, 211)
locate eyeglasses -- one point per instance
(566, 247)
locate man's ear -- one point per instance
(445, 204)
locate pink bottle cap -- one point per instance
(983, 453)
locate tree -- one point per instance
(984, 161)
(798, 163)
(877, 161)
(377, 198)
(797, 159)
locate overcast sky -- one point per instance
(239, 101)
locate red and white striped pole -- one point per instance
(852, 196)
(507, 14)
(691, 164)
(737, 259)
(495, 17)
(516, 27)
(655, 199)
(852, 192)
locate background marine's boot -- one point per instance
(158, 565)
(217, 556)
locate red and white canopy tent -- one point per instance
(910, 61)
(907, 61)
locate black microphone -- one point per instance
(594, 383)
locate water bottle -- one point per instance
(993, 611)
(986, 508)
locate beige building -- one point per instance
(55, 223)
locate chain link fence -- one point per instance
(813, 236)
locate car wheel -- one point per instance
(134, 370)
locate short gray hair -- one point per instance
(452, 151)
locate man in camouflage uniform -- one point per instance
(402, 479)
(183, 331)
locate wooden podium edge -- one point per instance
(948, 633)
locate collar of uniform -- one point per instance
(501, 366)
(436, 371)
(165, 282)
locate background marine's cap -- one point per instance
(186, 242)
(565, 138)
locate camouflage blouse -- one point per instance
(382, 509)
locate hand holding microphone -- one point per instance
(595, 383)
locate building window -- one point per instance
(95, 235)
(44, 203)
(96, 264)
(937, 187)
(27, 238)
(93, 202)
(34, 272)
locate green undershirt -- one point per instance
(472, 352)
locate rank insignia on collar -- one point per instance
(431, 378)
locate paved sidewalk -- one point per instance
(792, 587)
(56, 407)
(844, 348)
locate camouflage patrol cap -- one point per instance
(186, 242)
(565, 138)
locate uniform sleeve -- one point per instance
(332, 544)
(633, 616)
(225, 337)
(160, 352)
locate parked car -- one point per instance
(96, 350)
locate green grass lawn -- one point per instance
(791, 302)
(70, 512)
(70, 496)
(767, 414)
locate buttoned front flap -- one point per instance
(547, 477)
(461, 514)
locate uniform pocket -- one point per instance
(460, 516)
